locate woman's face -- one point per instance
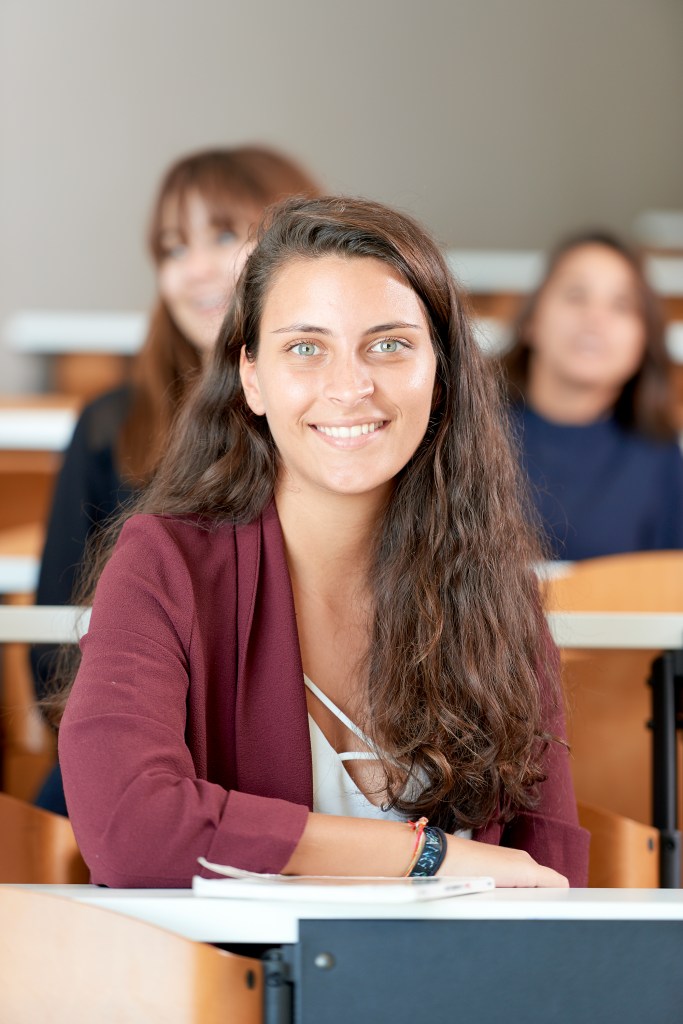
(587, 329)
(344, 373)
(199, 266)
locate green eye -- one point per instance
(305, 348)
(388, 345)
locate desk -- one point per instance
(30, 425)
(20, 549)
(511, 955)
(34, 431)
(207, 919)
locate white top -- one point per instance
(334, 791)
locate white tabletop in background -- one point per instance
(52, 332)
(225, 920)
(623, 631)
(36, 429)
(19, 574)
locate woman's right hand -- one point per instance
(508, 867)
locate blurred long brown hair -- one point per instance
(646, 402)
(235, 184)
(457, 644)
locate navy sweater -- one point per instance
(600, 489)
(89, 490)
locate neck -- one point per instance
(567, 402)
(328, 538)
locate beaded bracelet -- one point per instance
(433, 852)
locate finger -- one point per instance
(548, 878)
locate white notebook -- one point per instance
(248, 885)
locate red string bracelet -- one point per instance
(418, 827)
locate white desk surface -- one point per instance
(18, 574)
(38, 429)
(623, 631)
(208, 919)
(43, 624)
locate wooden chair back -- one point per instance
(37, 847)
(624, 854)
(608, 701)
(63, 961)
(28, 745)
(645, 581)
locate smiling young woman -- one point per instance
(322, 622)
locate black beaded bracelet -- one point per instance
(433, 853)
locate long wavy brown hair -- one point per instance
(457, 646)
(646, 402)
(235, 184)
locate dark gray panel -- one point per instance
(489, 972)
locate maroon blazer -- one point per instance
(186, 732)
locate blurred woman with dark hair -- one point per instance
(318, 645)
(591, 399)
(199, 237)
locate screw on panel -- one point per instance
(325, 961)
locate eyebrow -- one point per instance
(312, 329)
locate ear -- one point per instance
(250, 384)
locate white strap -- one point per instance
(351, 755)
(351, 726)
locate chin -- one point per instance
(204, 341)
(355, 488)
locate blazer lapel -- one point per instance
(271, 729)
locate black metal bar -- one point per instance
(664, 681)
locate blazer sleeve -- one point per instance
(140, 809)
(551, 831)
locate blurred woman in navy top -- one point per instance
(591, 402)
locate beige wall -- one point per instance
(500, 123)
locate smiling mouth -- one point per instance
(355, 431)
(209, 304)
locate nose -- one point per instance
(597, 314)
(200, 263)
(349, 381)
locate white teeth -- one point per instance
(355, 431)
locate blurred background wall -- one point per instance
(500, 123)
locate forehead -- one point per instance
(185, 211)
(190, 209)
(341, 288)
(596, 264)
